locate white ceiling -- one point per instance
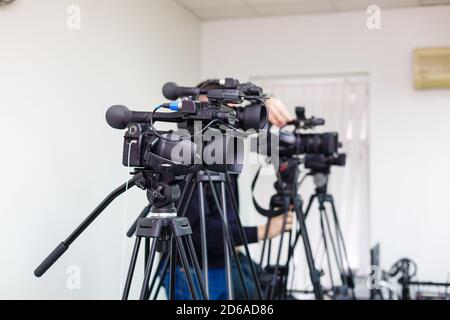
(234, 9)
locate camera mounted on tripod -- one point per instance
(318, 150)
(295, 143)
(145, 147)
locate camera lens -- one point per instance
(253, 116)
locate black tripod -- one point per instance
(219, 183)
(332, 240)
(275, 276)
(171, 234)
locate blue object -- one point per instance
(174, 105)
(217, 282)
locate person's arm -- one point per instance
(276, 226)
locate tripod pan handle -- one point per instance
(51, 259)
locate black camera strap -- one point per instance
(265, 212)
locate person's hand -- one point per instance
(276, 226)
(278, 113)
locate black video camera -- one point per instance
(295, 143)
(145, 147)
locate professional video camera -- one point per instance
(144, 146)
(294, 143)
(318, 151)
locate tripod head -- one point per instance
(320, 168)
(321, 163)
(163, 190)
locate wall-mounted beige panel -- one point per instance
(432, 68)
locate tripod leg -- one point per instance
(228, 240)
(266, 235)
(204, 245)
(229, 245)
(185, 264)
(310, 202)
(173, 266)
(266, 241)
(131, 268)
(186, 204)
(143, 214)
(327, 253)
(297, 236)
(200, 280)
(337, 258)
(162, 270)
(284, 289)
(147, 250)
(239, 269)
(277, 264)
(243, 236)
(269, 252)
(344, 248)
(161, 263)
(339, 250)
(314, 273)
(226, 246)
(148, 270)
(187, 185)
(290, 253)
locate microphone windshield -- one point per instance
(170, 91)
(117, 116)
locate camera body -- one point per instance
(142, 148)
(322, 162)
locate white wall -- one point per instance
(59, 158)
(409, 130)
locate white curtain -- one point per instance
(343, 102)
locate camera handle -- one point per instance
(64, 245)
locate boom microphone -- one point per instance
(119, 116)
(172, 91)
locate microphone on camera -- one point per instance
(119, 116)
(172, 91)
